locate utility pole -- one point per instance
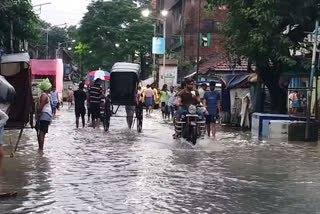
(314, 54)
(154, 55)
(47, 50)
(164, 54)
(57, 50)
(11, 37)
(40, 6)
(198, 42)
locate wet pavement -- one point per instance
(90, 171)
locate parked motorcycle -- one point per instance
(190, 126)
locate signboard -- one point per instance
(168, 76)
(158, 45)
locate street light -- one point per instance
(48, 28)
(164, 14)
(145, 12)
(61, 43)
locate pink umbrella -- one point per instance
(90, 75)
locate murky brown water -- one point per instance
(89, 171)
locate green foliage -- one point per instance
(254, 29)
(23, 19)
(114, 22)
(264, 31)
(57, 36)
(209, 9)
(81, 48)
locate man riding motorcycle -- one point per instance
(188, 96)
(188, 127)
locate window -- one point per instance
(205, 39)
(187, 28)
(208, 26)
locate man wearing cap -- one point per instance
(211, 101)
(45, 112)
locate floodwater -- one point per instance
(90, 171)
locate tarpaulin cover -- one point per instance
(123, 88)
(49, 67)
(232, 81)
(22, 105)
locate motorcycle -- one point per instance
(191, 126)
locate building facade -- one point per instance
(192, 29)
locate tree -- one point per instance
(50, 36)
(18, 23)
(114, 31)
(255, 29)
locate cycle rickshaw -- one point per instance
(16, 70)
(124, 82)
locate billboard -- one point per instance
(158, 45)
(168, 75)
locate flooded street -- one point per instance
(90, 171)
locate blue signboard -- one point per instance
(158, 45)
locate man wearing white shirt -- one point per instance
(54, 100)
(171, 100)
(202, 90)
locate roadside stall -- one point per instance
(47, 68)
(235, 99)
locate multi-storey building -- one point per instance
(193, 31)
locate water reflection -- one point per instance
(90, 171)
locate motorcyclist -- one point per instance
(186, 97)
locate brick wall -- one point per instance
(183, 21)
(208, 24)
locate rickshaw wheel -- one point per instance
(139, 114)
(139, 124)
(106, 122)
(107, 115)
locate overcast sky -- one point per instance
(62, 11)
